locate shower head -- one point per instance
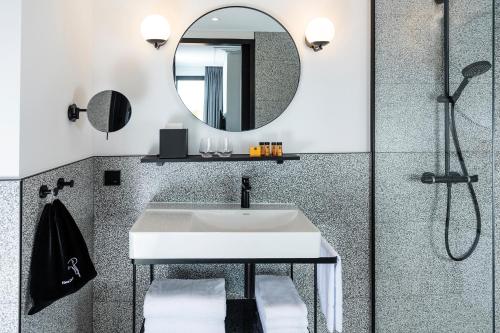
(476, 69)
(469, 72)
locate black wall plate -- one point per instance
(112, 178)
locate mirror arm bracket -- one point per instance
(74, 112)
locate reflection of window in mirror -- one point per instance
(227, 67)
(192, 92)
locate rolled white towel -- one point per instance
(200, 299)
(174, 325)
(277, 299)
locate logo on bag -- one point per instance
(67, 281)
(72, 265)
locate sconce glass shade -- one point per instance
(319, 33)
(155, 29)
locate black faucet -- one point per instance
(245, 192)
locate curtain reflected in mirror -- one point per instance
(213, 104)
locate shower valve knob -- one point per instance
(428, 178)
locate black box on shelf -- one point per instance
(173, 143)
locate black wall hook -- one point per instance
(61, 183)
(45, 191)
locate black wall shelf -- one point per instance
(233, 158)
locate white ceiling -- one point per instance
(237, 19)
(196, 55)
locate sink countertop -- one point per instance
(214, 230)
(219, 206)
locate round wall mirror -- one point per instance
(236, 69)
(109, 111)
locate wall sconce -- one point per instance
(155, 30)
(319, 33)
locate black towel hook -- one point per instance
(44, 190)
(61, 183)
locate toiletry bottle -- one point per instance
(274, 149)
(279, 149)
(262, 146)
(267, 149)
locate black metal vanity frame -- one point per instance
(249, 274)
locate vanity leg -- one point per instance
(291, 271)
(250, 281)
(315, 298)
(151, 273)
(133, 296)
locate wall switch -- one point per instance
(112, 178)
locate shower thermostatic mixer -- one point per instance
(452, 178)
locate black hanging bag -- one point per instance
(60, 263)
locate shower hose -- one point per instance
(472, 194)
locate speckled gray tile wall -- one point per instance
(72, 313)
(496, 190)
(277, 73)
(409, 69)
(332, 189)
(417, 288)
(497, 163)
(10, 199)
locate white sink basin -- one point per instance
(221, 231)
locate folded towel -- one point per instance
(200, 299)
(160, 325)
(290, 323)
(285, 326)
(287, 330)
(330, 288)
(278, 299)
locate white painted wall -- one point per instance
(57, 52)
(330, 112)
(56, 71)
(10, 74)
